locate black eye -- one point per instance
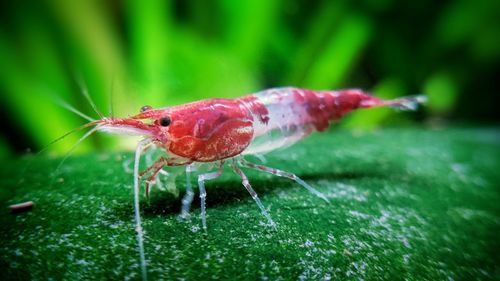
(165, 121)
(146, 108)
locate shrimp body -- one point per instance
(216, 129)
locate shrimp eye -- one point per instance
(146, 108)
(165, 121)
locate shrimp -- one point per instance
(225, 130)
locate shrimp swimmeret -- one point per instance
(225, 130)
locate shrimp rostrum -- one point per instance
(225, 130)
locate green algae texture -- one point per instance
(405, 204)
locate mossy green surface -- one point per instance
(414, 204)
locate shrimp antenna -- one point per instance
(65, 135)
(93, 130)
(85, 93)
(57, 140)
(69, 107)
(112, 87)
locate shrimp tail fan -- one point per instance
(410, 103)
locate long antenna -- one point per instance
(69, 107)
(65, 135)
(85, 93)
(55, 141)
(111, 114)
(72, 149)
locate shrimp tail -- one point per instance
(410, 103)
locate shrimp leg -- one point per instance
(284, 174)
(156, 167)
(188, 197)
(203, 194)
(252, 192)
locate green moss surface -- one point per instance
(412, 204)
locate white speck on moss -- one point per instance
(308, 243)
(359, 215)
(406, 243)
(406, 259)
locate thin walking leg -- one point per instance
(284, 174)
(188, 197)
(203, 194)
(252, 192)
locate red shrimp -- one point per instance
(219, 130)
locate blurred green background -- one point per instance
(170, 52)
